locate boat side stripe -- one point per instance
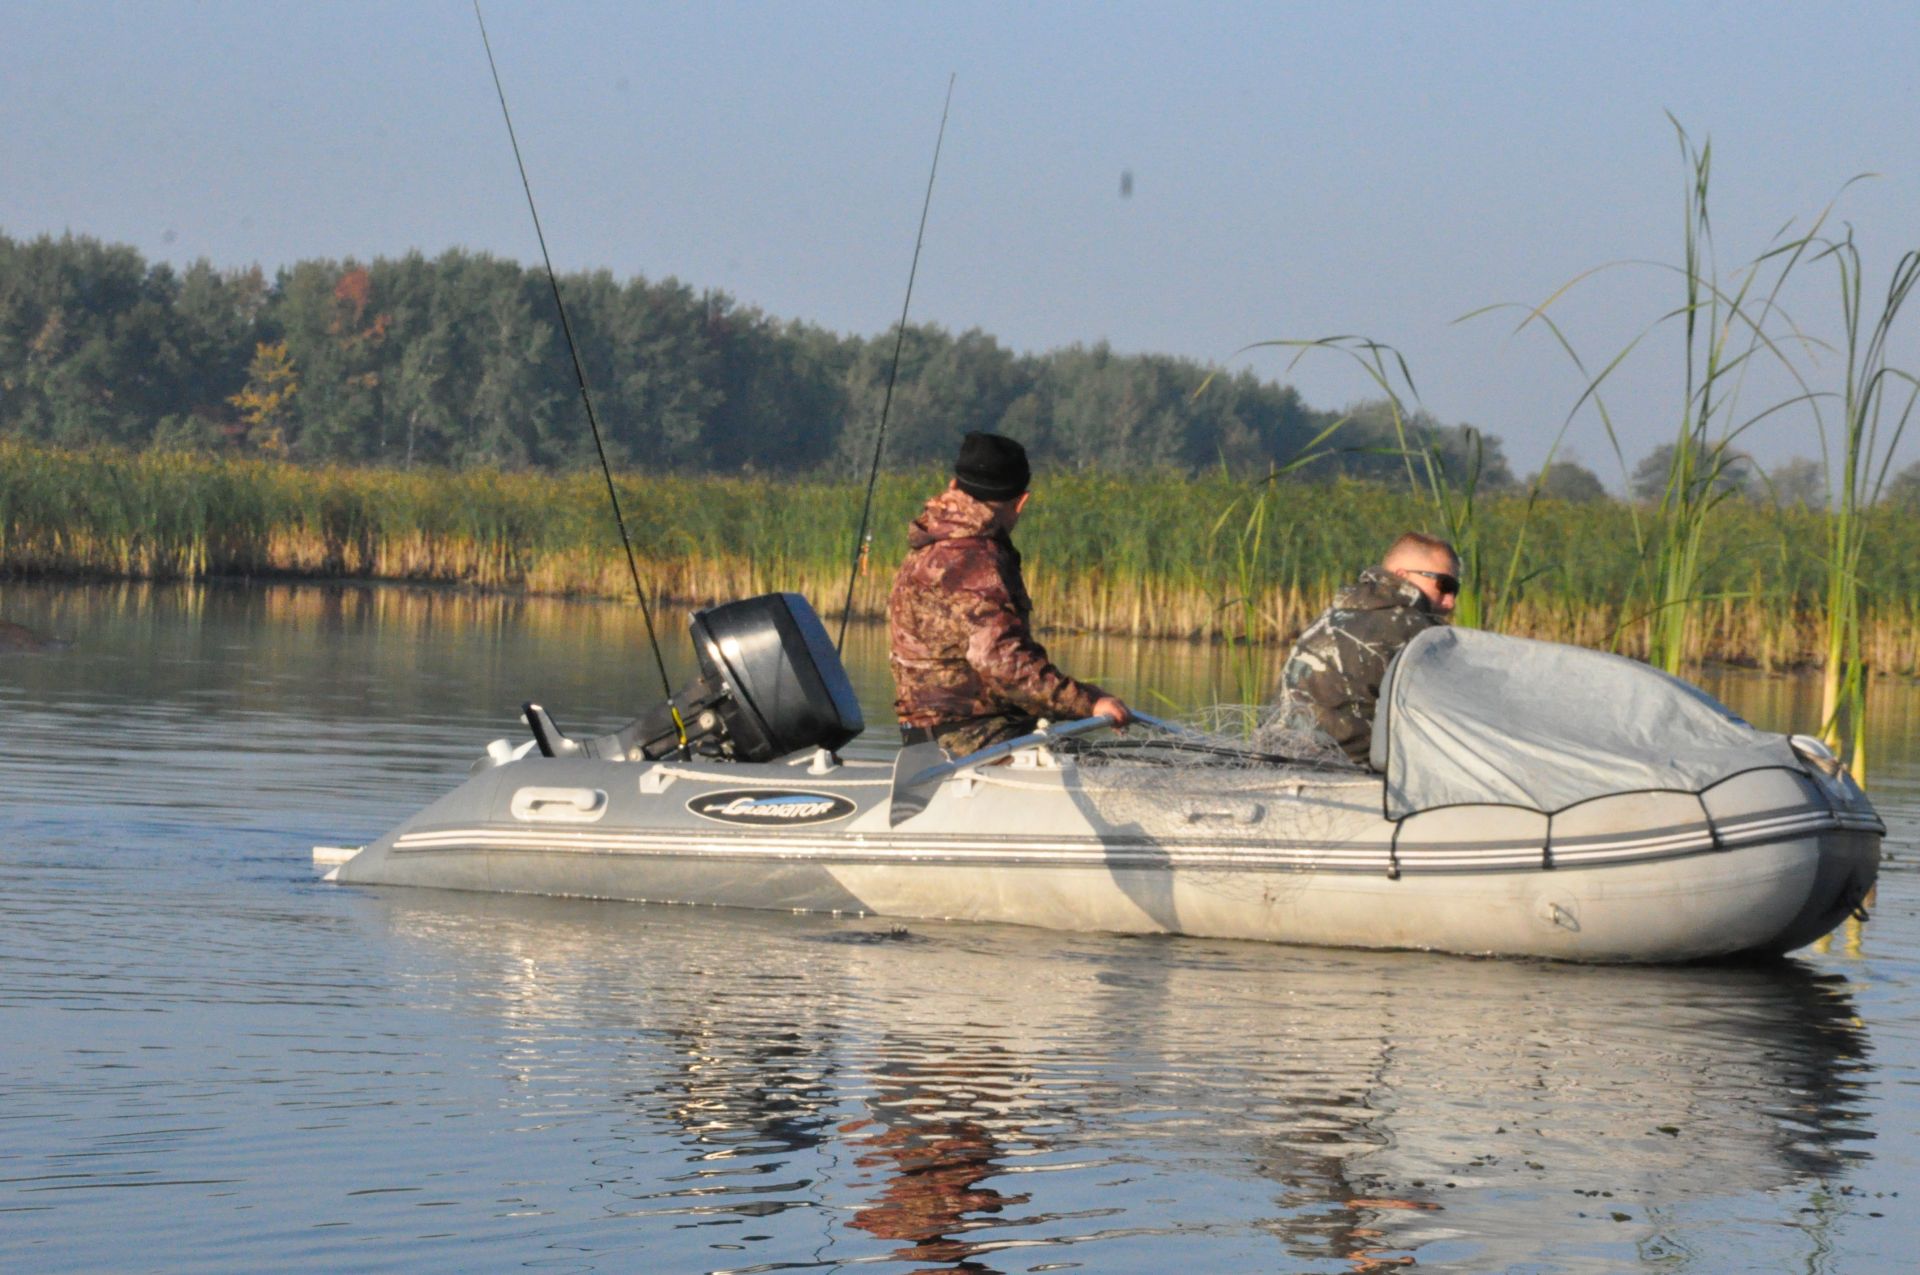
(866, 849)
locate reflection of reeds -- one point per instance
(1105, 554)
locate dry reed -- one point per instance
(1128, 556)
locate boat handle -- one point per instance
(559, 805)
(1238, 811)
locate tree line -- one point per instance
(459, 361)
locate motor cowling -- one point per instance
(770, 684)
(786, 688)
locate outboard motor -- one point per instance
(770, 684)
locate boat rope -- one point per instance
(580, 376)
(1713, 829)
(1247, 755)
(1068, 775)
(863, 540)
(754, 781)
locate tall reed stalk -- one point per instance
(1703, 441)
(1725, 329)
(1872, 420)
(1242, 619)
(1249, 628)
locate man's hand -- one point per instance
(1113, 710)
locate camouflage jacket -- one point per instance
(1337, 666)
(957, 625)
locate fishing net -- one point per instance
(1220, 776)
(1221, 738)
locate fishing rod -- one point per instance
(863, 542)
(580, 376)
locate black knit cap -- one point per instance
(991, 467)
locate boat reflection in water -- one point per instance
(940, 1096)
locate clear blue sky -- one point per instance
(1299, 170)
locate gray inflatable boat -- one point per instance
(1527, 799)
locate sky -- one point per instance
(1297, 171)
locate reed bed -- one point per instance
(1137, 556)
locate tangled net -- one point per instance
(1224, 737)
(1217, 777)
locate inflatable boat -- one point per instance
(1525, 799)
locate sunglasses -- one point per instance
(1449, 585)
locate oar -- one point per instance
(1161, 723)
(916, 775)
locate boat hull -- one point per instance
(1769, 863)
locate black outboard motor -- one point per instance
(770, 684)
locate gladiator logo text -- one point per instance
(763, 808)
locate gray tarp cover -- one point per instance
(1476, 718)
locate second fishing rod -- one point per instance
(580, 378)
(863, 537)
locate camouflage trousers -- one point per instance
(958, 739)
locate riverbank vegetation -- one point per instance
(1170, 567)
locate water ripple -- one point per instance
(212, 1062)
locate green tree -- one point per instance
(1794, 481)
(1903, 490)
(513, 410)
(1572, 482)
(1729, 473)
(265, 402)
(335, 333)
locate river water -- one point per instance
(210, 1061)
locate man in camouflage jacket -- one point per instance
(1336, 668)
(965, 665)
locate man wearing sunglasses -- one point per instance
(1335, 670)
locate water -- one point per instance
(211, 1062)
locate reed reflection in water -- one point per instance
(208, 1061)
